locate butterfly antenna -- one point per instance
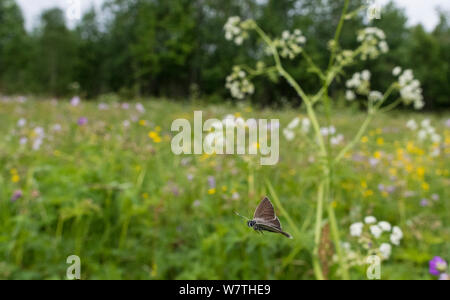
(241, 216)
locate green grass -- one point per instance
(125, 205)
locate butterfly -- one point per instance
(265, 219)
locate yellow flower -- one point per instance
(377, 155)
(142, 122)
(420, 172)
(364, 184)
(212, 191)
(145, 195)
(152, 134)
(368, 193)
(393, 172)
(334, 204)
(425, 186)
(364, 139)
(157, 139)
(237, 115)
(380, 141)
(224, 188)
(15, 178)
(157, 128)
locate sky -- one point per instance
(418, 11)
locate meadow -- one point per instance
(98, 179)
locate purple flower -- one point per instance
(447, 123)
(17, 195)
(424, 202)
(381, 187)
(211, 182)
(82, 121)
(190, 177)
(437, 266)
(444, 276)
(75, 101)
(373, 162)
(390, 189)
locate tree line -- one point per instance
(177, 49)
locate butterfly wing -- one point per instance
(266, 218)
(265, 211)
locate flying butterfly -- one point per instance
(265, 219)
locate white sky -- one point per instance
(418, 11)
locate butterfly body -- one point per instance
(265, 219)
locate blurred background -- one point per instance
(177, 48)
(87, 100)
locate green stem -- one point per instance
(337, 242)
(318, 232)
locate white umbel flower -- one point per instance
(385, 226)
(356, 229)
(370, 220)
(385, 250)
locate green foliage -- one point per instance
(170, 48)
(127, 207)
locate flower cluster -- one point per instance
(290, 44)
(335, 138)
(238, 84)
(373, 42)
(410, 89)
(438, 267)
(360, 84)
(289, 131)
(236, 30)
(371, 233)
(425, 130)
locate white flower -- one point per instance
(294, 123)
(411, 124)
(356, 229)
(22, 122)
(56, 127)
(23, 141)
(396, 71)
(385, 226)
(426, 123)
(396, 235)
(350, 95)
(290, 44)
(375, 96)
(376, 231)
(238, 84)
(422, 135)
(234, 30)
(365, 75)
(410, 90)
(140, 108)
(324, 131)
(336, 140)
(370, 220)
(373, 42)
(385, 250)
(436, 138)
(288, 134)
(103, 106)
(306, 124)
